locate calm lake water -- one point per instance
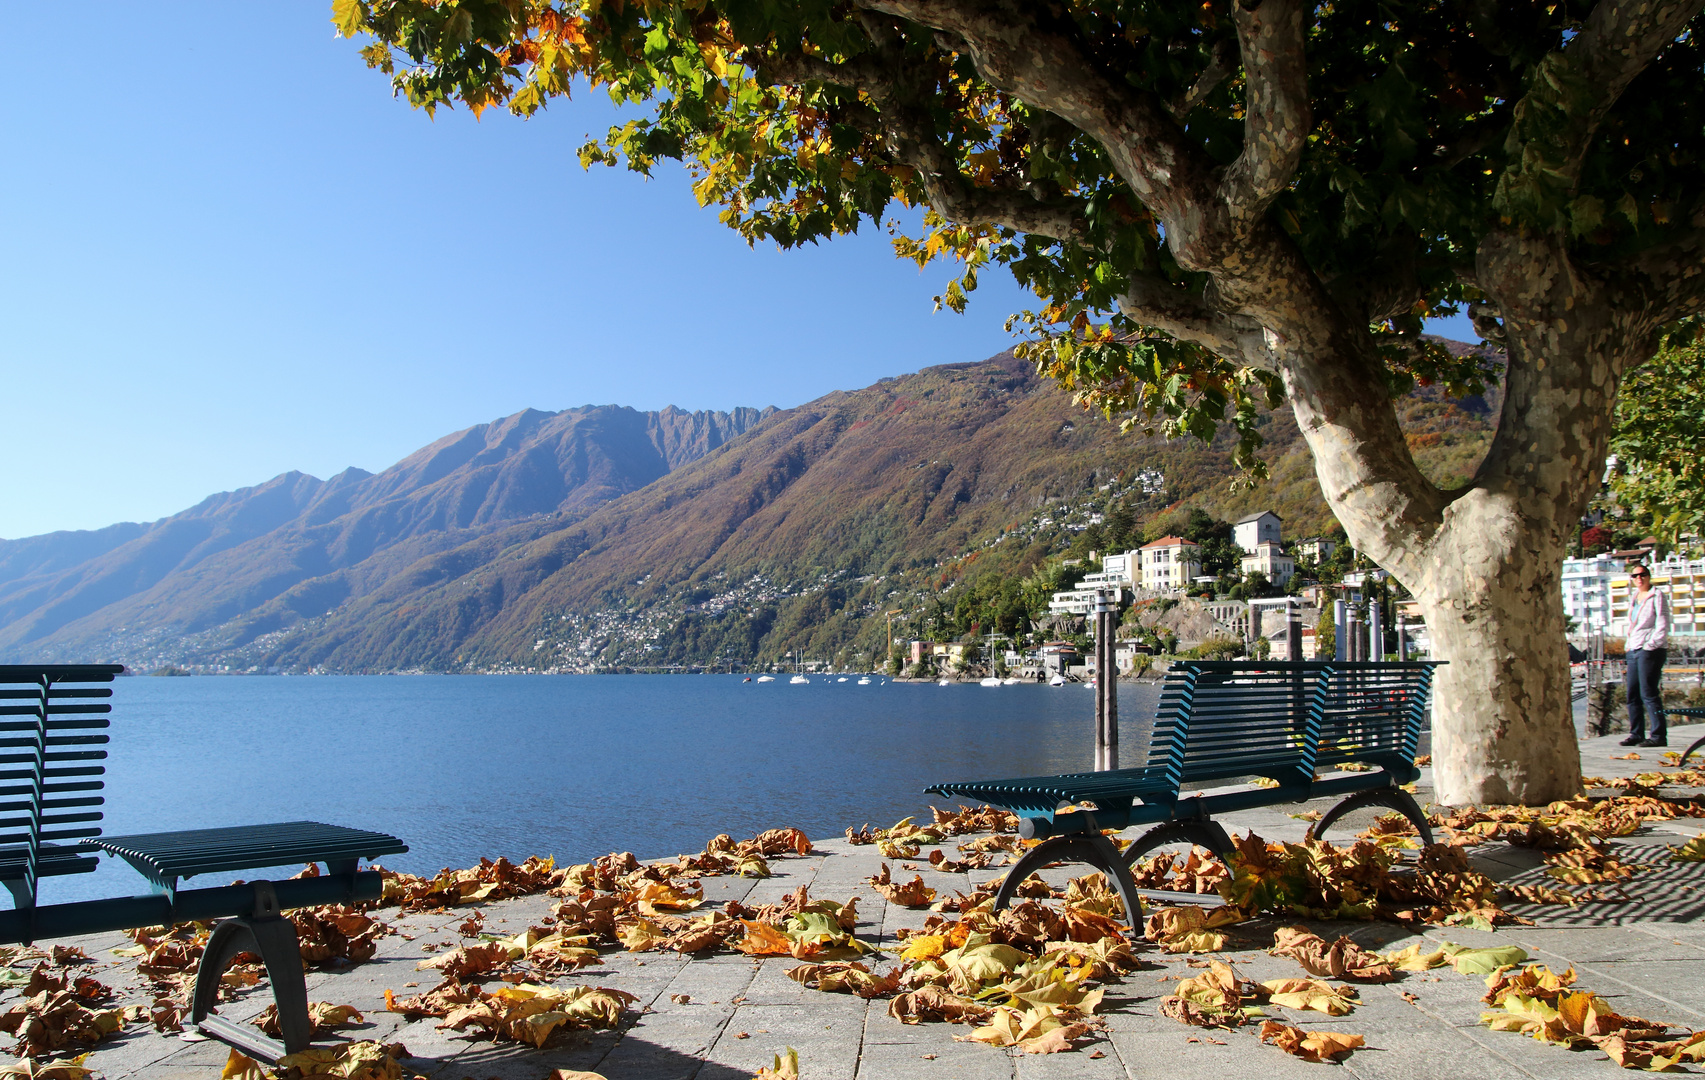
(575, 766)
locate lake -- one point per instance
(574, 766)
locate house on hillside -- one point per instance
(1256, 529)
(1170, 563)
(1269, 559)
(1058, 657)
(1317, 548)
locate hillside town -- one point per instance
(1168, 607)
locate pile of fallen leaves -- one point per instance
(61, 1009)
(617, 901)
(490, 880)
(1219, 997)
(366, 1060)
(1025, 977)
(519, 1012)
(1547, 1005)
(1198, 871)
(1320, 880)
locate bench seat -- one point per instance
(1041, 796)
(165, 857)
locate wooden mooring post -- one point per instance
(1106, 681)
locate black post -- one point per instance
(1293, 632)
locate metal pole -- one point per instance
(1106, 683)
(1293, 632)
(1402, 636)
(1376, 630)
(1340, 631)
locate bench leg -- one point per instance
(273, 937)
(1208, 834)
(1393, 797)
(1092, 849)
(1685, 754)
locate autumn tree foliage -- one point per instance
(1217, 203)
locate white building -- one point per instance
(1597, 593)
(1317, 548)
(1586, 591)
(1231, 614)
(1170, 563)
(1269, 559)
(1256, 529)
(1117, 572)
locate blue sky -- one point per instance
(230, 253)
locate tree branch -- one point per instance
(1220, 65)
(1015, 50)
(1619, 40)
(909, 133)
(1276, 114)
(1156, 302)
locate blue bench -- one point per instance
(53, 721)
(1222, 721)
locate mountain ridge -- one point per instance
(235, 550)
(790, 534)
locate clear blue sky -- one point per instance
(230, 253)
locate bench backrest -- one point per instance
(1239, 718)
(52, 733)
(1373, 714)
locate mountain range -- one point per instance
(603, 537)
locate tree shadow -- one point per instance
(613, 1055)
(1663, 891)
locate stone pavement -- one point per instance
(1647, 958)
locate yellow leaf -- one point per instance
(238, 1067)
(924, 947)
(1311, 994)
(348, 17)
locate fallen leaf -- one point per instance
(1317, 1046)
(1340, 959)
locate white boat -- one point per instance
(1009, 681)
(799, 680)
(990, 681)
(1057, 680)
(843, 678)
(945, 682)
(864, 681)
(766, 678)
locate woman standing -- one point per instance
(1648, 636)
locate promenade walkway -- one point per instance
(721, 1017)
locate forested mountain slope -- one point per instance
(513, 546)
(307, 544)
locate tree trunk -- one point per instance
(1485, 562)
(1503, 730)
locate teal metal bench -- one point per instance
(1220, 722)
(52, 748)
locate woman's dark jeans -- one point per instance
(1645, 693)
